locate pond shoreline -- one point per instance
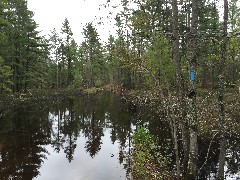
(134, 100)
(9, 100)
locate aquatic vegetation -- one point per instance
(148, 161)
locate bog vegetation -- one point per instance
(187, 53)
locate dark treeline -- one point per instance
(139, 56)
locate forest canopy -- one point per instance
(138, 56)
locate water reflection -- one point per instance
(87, 137)
(33, 138)
(22, 143)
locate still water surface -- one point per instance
(84, 137)
(88, 137)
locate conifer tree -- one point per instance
(94, 58)
(54, 44)
(5, 69)
(23, 46)
(66, 43)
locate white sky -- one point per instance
(50, 14)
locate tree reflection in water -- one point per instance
(22, 142)
(93, 144)
(25, 131)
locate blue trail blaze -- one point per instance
(192, 75)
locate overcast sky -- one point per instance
(50, 14)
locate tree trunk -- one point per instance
(69, 68)
(223, 146)
(176, 58)
(174, 128)
(192, 94)
(56, 57)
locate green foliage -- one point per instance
(158, 60)
(21, 47)
(66, 52)
(78, 79)
(139, 57)
(5, 77)
(148, 162)
(95, 66)
(143, 137)
(233, 50)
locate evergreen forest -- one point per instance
(139, 56)
(184, 53)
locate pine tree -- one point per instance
(66, 43)
(232, 65)
(54, 44)
(5, 77)
(5, 69)
(23, 46)
(95, 64)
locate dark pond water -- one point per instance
(87, 137)
(84, 137)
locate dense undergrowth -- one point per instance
(148, 162)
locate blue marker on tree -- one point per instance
(192, 92)
(192, 75)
